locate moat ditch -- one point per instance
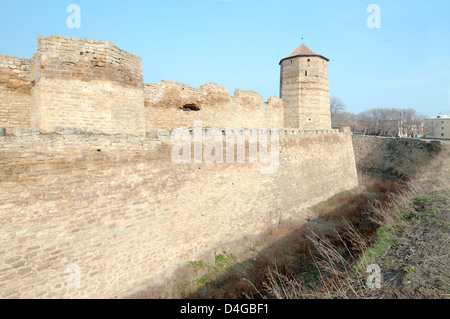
(290, 250)
(323, 256)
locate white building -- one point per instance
(438, 127)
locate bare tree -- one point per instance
(346, 119)
(337, 107)
(430, 127)
(368, 122)
(379, 121)
(412, 123)
(387, 122)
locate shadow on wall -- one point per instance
(285, 249)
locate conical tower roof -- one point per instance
(304, 51)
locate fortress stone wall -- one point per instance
(76, 83)
(15, 92)
(87, 179)
(85, 83)
(304, 88)
(125, 214)
(170, 104)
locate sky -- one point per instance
(405, 63)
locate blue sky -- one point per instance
(239, 43)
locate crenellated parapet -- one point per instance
(86, 83)
(15, 92)
(170, 105)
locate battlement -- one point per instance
(15, 91)
(162, 135)
(87, 60)
(88, 176)
(170, 105)
(169, 94)
(16, 73)
(86, 83)
(75, 82)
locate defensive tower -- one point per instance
(305, 90)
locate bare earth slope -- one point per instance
(418, 265)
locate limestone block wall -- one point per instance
(289, 92)
(87, 83)
(121, 211)
(15, 92)
(167, 106)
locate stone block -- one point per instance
(62, 130)
(345, 129)
(152, 134)
(163, 134)
(25, 131)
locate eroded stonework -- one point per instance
(93, 84)
(87, 182)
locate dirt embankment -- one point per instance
(417, 263)
(387, 157)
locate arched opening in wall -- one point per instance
(191, 107)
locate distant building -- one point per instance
(438, 127)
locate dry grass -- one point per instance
(340, 260)
(294, 261)
(327, 256)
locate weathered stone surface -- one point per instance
(165, 101)
(345, 130)
(15, 92)
(84, 83)
(72, 130)
(124, 213)
(91, 195)
(73, 82)
(304, 88)
(153, 134)
(25, 131)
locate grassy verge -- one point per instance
(206, 273)
(416, 266)
(385, 240)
